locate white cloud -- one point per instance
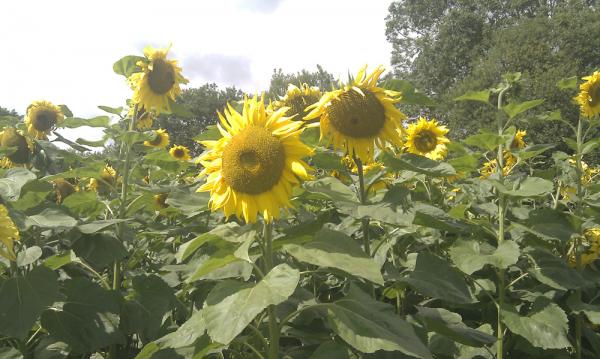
(63, 51)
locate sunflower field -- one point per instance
(324, 224)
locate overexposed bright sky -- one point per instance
(63, 51)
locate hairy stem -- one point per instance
(273, 326)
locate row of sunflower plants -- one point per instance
(323, 224)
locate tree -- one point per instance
(449, 47)
(7, 112)
(280, 81)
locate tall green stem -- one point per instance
(579, 212)
(501, 213)
(273, 326)
(363, 200)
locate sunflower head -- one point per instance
(63, 189)
(158, 84)
(254, 166)
(160, 200)
(8, 235)
(161, 139)
(518, 142)
(297, 99)
(181, 153)
(108, 176)
(588, 97)
(591, 241)
(42, 117)
(490, 167)
(11, 137)
(427, 138)
(359, 116)
(145, 119)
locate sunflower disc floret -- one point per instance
(360, 116)
(254, 166)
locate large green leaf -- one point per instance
(51, 218)
(481, 96)
(546, 326)
(23, 299)
(32, 194)
(567, 83)
(332, 189)
(336, 250)
(514, 109)
(554, 271)
(486, 141)
(98, 121)
(529, 187)
(14, 179)
(468, 256)
(434, 277)
(434, 217)
(550, 224)
(100, 250)
(591, 311)
(331, 350)
(126, 65)
(419, 164)
(369, 326)
(88, 319)
(232, 305)
(189, 202)
(83, 203)
(450, 324)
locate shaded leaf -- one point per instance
(469, 258)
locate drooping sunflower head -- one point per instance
(254, 166)
(42, 117)
(588, 97)
(11, 137)
(161, 139)
(181, 153)
(427, 138)
(108, 176)
(63, 189)
(145, 119)
(8, 235)
(160, 200)
(359, 116)
(518, 142)
(297, 99)
(159, 82)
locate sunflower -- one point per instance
(588, 175)
(161, 139)
(43, 117)
(108, 176)
(490, 167)
(518, 142)
(145, 118)
(254, 166)
(181, 153)
(372, 167)
(158, 83)
(8, 234)
(589, 95)
(160, 200)
(11, 137)
(359, 116)
(63, 189)
(591, 241)
(297, 99)
(427, 138)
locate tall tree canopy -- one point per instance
(449, 47)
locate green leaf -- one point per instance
(435, 278)
(485, 140)
(481, 96)
(131, 137)
(369, 326)
(114, 110)
(534, 150)
(51, 218)
(14, 179)
(65, 110)
(419, 164)
(210, 133)
(336, 250)
(544, 327)
(60, 260)
(451, 325)
(465, 163)
(96, 226)
(32, 194)
(100, 250)
(189, 203)
(549, 224)
(10, 353)
(126, 66)
(529, 187)
(29, 256)
(98, 121)
(332, 189)
(23, 299)
(590, 145)
(568, 83)
(331, 350)
(410, 95)
(592, 312)
(327, 161)
(232, 305)
(155, 299)
(434, 217)
(88, 319)
(83, 203)
(469, 258)
(514, 109)
(554, 271)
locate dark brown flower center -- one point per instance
(355, 115)
(44, 120)
(253, 161)
(179, 153)
(11, 138)
(425, 141)
(162, 77)
(594, 93)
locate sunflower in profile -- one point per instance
(63, 189)
(490, 167)
(145, 119)
(108, 176)
(8, 235)
(254, 166)
(518, 142)
(359, 116)
(158, 83)
(181, 153)
(427, 138)
(297, 99)
(11, 137)
(161, 139)
(588, 97)
(591, 242)
(43, 117)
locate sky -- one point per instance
(63, 51)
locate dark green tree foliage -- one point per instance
(7, 112)
(449, 47)
(203, 102)
(280, 81)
